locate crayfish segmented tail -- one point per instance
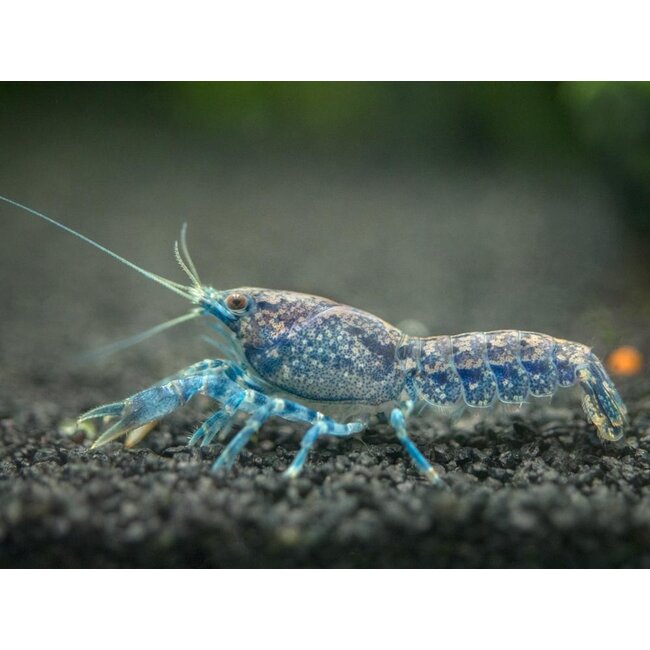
(510, 366)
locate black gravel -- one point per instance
(536, 489)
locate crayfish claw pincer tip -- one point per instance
(105, 411)
(138, 434)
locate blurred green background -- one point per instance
(463, 205)
(604, 125)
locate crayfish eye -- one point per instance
(237, 302)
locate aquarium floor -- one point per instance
(528, 490)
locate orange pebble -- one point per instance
(625, 361)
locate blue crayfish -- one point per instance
(303, 358)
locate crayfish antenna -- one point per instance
(187, 292)
(123, 344)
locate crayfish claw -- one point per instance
(112, 433)
(107, 410)
(140, 433)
